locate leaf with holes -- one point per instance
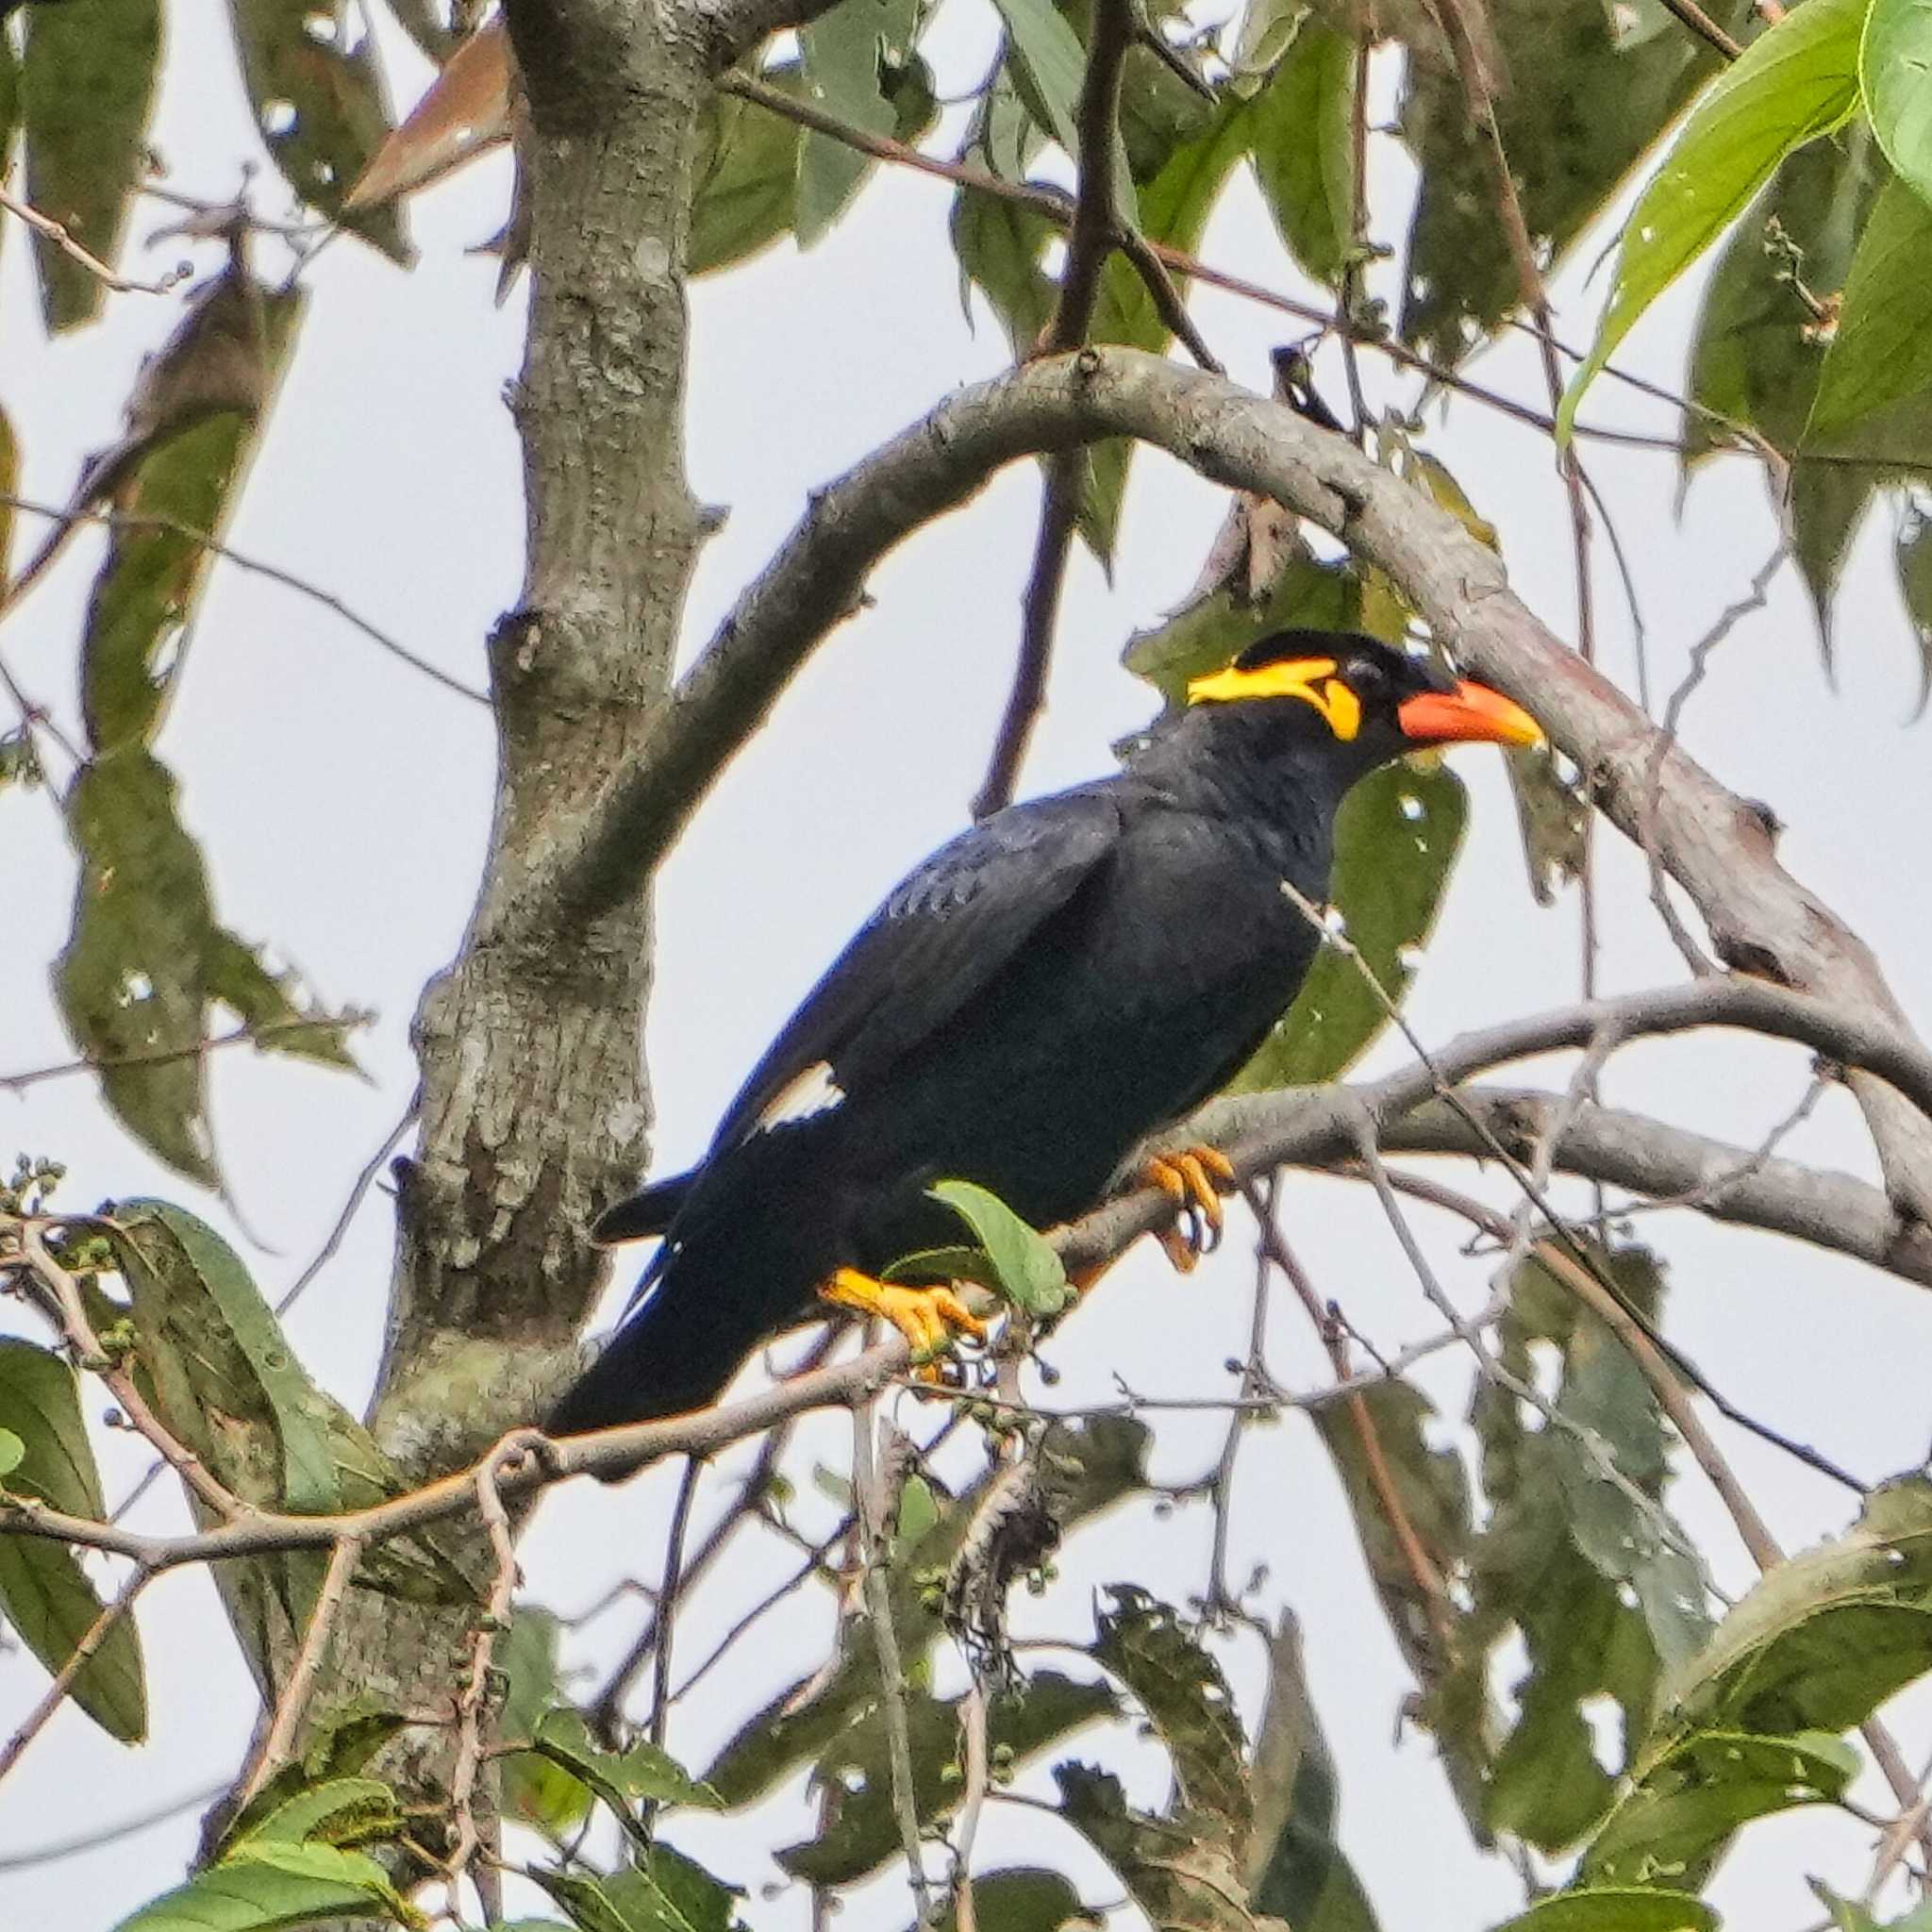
(1796, 82)
(847, 52)
(1578, 113)
(1042, 1713)
(87, 87)
(1026, 1269)
(316, 87)
(1825, 1638)
(45, 1593)
(174, 480)
(146, 961)
(1671, 1826)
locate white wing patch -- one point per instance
(812, 1092)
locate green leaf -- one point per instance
(1825, 1638)
(1021, 1898)
(342, 1811)
(998, 247)
(1794, 82)
(1896, 72)
(1578, 114)
(620, 1779)
(865, 1833)
(265, 1886)
(177, 1262)
(1028, 1272)
(316, 89)
(1294, 1868)
(1881, 354)
(1616, 1909)
(536, 1789)
(845, 51)
(1049, 64)
(745, 176)
(175, 477)
(1182, 1871)
(9, 444)
(44, 1591)
(87, 86)
(138, 977)
(1143, 1642)
(1396, 839)
(1091, 1466)
(1683, 1811)
(1174, 209)
(12, 1452)
(1303, 150)
(664, 1893)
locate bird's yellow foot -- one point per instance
(929, 1318)
(1195, 1177)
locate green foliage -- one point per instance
(138, 979)
(1616, 1909)
(1303, 150)
(1894, 56)
(664, 1892)
(1576, 111)
(264, 1885)
(848, 52)
(87, 86)
(318, 97)
(744, 182)
(1796, 82)
(1021, 1264)
(1881, 357)
(45, 1593)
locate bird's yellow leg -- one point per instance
(1195, 1177)
(929, 1318)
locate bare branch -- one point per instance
(58, 235)
(1714, 843)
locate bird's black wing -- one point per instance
(945, 934)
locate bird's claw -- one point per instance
(930, 1319)
(1196, 1179)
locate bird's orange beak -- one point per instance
(1470, 714)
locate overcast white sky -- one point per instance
(343, 802)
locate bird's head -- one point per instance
(1357, 702)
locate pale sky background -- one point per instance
(343, 803)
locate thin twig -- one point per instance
(278, 1744)
(55, 1694)
(358, 1193)
(59, 236)
(264, 1036)
(1728, 620)
(663, 1621)
(255, 566)
(975, 1784)
(472, 1700)
(870, 1511)
(81, 1335)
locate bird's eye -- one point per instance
(1368, 679)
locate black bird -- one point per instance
(1041, 993)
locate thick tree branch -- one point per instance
(1671, 1164)
(1715, 844)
